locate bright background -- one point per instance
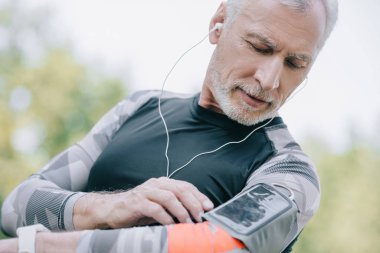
(64, 63)
(139, 41)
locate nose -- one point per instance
(268, 73)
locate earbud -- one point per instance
(277, 84)
(217, 26)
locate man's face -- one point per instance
(261, 58)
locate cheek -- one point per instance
(286, 91)
(234, 63)
(291, 80)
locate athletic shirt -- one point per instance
(136, 152)
(127, 147)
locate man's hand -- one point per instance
(161, 200)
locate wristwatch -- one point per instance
(27, 237)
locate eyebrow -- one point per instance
(263, 40)
(272, 45)
(303, 57)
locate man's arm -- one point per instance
(48, 197)
(158, 200)
(53, 197)
(46, 243)
(207, 236)
(181, 238)
(291, 172)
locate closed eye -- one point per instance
(260, 49)
(295, 64)
(297, 61)
(292, 65)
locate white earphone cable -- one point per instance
(220, 147)
(159, 102)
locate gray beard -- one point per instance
(242, 112)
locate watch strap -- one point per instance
(27, 237)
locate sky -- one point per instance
(139, 41)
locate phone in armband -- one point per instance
(261, 213)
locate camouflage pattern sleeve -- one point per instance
(290, 169)
(184, 238)
(48, 196)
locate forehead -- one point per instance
(287, 27)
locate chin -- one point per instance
(244, 114)
(249, 119)
(233, 107)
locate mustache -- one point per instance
(255, 90)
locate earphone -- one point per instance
(216, 27)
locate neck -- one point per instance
(207, 99)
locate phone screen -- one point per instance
(253, 209)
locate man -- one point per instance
(143, 166)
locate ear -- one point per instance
(218, 17)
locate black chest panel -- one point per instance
(137, 151)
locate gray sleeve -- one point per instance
(137, 240)
(290, 169)
(48, 197)
(157, 239)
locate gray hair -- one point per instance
(331, 8)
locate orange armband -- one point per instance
(200, 237)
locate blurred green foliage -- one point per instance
(347, 220)
(46, 102)
(66, 98)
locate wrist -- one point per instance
(41, 239)
(27, 237)
(57, 242)
(9, 246)
(90, 212)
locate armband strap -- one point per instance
(262, 218)
(27, 237)
(201, 237)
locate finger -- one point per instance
(201, 198)
(192, 204)
(206, 202)
(162, 192)
(179, 186)
(157, 212)
(169, 201)
(190, 197)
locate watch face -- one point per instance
(253, 209)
